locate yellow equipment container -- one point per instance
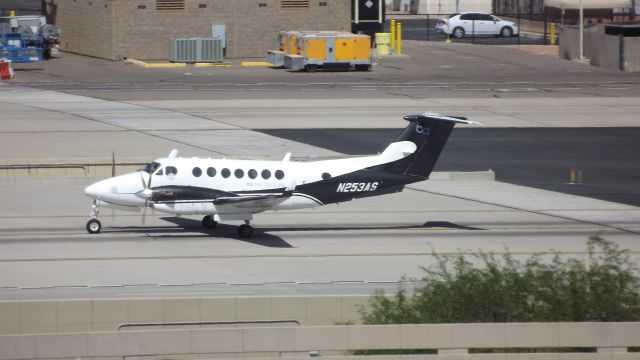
(330, 50)
(287, 43)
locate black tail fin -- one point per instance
(429, 132)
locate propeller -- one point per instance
(113, 174)
(146, 193)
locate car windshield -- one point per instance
(151, 167)
(454, 14)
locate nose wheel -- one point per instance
(94, 226)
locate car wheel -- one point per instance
(506, 32)
(458, 33)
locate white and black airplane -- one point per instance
(226, 189)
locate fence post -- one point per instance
(544, 38)
(428, 27)
(473, 31)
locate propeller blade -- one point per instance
(149, 183)
(144, 184)
(144, 213)
(113, 164)
(146, 194)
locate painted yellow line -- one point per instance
(212, 64)
(256, 63)
(155, 65)
(166, 65)
(136, 62)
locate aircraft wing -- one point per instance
(253, 200)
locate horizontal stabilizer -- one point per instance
(426, 116)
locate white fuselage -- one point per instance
(251, 178)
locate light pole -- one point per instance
(581, 27)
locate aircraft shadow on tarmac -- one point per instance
(262, 235)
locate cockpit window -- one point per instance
(171, 170)
(151, 167)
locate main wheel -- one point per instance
(94, 226)
(245, 231)
(208, 222)
(458, 33)
(506, 32)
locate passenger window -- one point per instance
(211, 172)
(253, 173)
(326, 176)
(265, 174)
(466, 17)
(279, 174)
(239, 173)
(197, 172)
(225, 173)
(171, 171)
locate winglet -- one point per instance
(173, 154)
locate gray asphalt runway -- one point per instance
(351, 248)
(543, 157)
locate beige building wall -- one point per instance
(86, 26)
(115, 29)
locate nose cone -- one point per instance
(119, 190)
(96, 190)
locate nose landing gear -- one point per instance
(94, 226)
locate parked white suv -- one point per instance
(474, 23)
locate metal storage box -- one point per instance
(192, 50)
(330, 50)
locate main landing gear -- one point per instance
(208, 222)
(94, 226)
(244, 231)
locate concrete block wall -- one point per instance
(86, 26)
(452, 341)
(602, 49)
(67, 316)
(135, 29)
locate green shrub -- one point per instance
(605, 287)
